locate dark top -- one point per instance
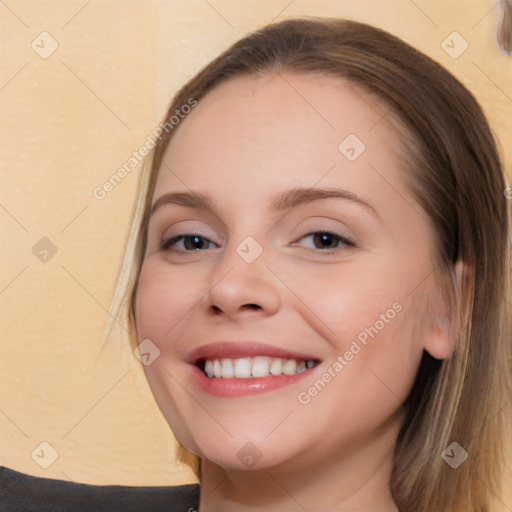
(24, 493)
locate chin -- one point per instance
(247, 449)
(248, 455)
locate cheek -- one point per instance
(362, 300)
(164, 296)
(374, 326)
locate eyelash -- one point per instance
(166, 244)
(344, 240)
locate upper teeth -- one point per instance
(251, 367)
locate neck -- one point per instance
(355, 480)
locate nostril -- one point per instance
(251, 306)
(218, 311)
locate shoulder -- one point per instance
(20, 492)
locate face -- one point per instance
(286, 275)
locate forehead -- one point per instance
(280, 128)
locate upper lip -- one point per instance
(239, 349)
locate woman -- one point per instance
(318, 261)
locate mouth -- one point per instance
(241, 368)
(253, 367)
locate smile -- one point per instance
(230, 369)
(253, 367)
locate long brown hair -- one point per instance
(456, 175)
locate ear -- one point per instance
(444, 308)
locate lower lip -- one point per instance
(242, 387)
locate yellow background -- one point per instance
(69, 122)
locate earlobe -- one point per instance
(444, 321)
(442, 340)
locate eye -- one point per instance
(325, 241)
(186, 242)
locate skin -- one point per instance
(248, 140)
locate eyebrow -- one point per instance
(297, 196)
(283, 201)
(190, 199)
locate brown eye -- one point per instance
(194, 243)
(325, 241)
(186, 243)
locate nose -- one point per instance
(240, 289)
